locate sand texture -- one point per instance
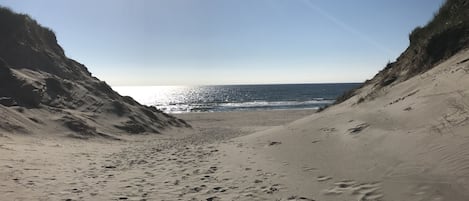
(404, 135)
(408, 143)
(139, 167)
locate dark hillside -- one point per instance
(36, 77)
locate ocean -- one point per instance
(183, 99)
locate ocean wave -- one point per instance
(239, 106)
(276, 103)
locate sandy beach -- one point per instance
(140, 167)
(402, 135)
(399, 146)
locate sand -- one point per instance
(168, 166)
(409, 142)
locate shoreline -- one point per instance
(246, 122)
(302, 110)
(228, 111)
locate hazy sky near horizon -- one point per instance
(199, 42)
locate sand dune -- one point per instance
(409, 143)
(44, 91)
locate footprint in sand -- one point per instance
(363, 191)
(367, 191)
(217, 189)
(340, 187)
(274, 143)
(213, 198)
(327, 130)
(211, 170)
(359, 128)
(309, 169)
(257, 181)
(298, 198)
(272, 189)
(323, 178)
(197, 189)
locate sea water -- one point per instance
(181, 99)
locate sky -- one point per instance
(207, 42)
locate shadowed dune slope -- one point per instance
(41, 90)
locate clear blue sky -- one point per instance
(197, 42)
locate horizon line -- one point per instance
(234, 84)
